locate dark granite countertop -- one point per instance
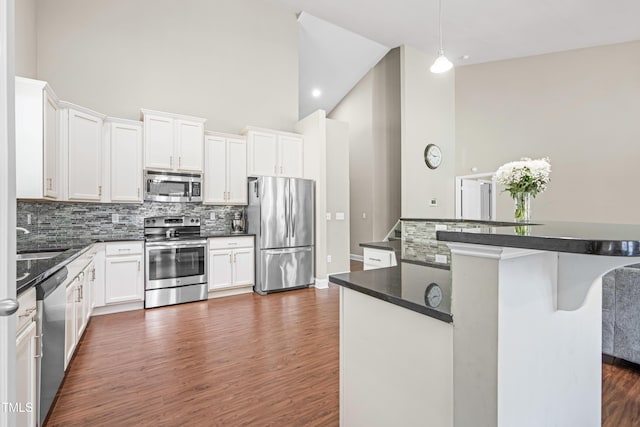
(572, 237)
(393, 245)
(404, 285)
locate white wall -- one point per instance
(581, 108)
(25, 38)
(372, 110)
(428, 116)
(234, 62)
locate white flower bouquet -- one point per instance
(525, 176)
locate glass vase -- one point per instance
(522, 207)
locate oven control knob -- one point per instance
(193, 220)
(153, 221)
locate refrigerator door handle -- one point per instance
(293, 219)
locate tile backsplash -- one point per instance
(58, 220)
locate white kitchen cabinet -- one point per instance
(378, 258)
(27, 376)
(274, 153)
(231, 262)
(83, 146)
(124, 165)
(225, 171)
(27, 352)
(173, 142)
(124, 273)
(38, 155)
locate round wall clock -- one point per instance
(433, 295)
(432, 156)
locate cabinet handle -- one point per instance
(375, 259)
(124, 249)
(138, 192)
(38, 346)
(275, 170)
(281, 169)
(234, 258)
(93, 274)
(230, 258)
(171, 162)
(50, 185)
(138, 265)
(28, 312)
(99, 190)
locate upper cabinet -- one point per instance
(38, 155)
(173, 142)
(225, 169)
(274, 153)
(82, 143)
(123, 161)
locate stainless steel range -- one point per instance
(176, 261)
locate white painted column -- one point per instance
(519, 360)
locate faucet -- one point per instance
(24, 230)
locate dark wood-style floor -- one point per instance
(237, 361)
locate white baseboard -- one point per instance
(356, 257)
(322, 283)
(117, 308)
(229, 292)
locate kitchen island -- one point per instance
(521, 343)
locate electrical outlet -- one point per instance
(340, 216)
(328, 216)
(364, 215)
(28, 219)
(212, 216)
(115, 218)
(433, 202)
(328, 258)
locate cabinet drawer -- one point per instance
(27, 310)
(124, 248)
(231, 242)
(374, 258)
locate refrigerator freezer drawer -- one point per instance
(285, 268)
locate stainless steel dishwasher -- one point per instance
(50, 328)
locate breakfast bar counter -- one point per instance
(522, 343)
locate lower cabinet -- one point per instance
(231, 263)
(123, 279)
(377, 258)
(27, 353)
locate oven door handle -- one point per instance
(157, 245)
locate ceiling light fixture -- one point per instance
(441, 64)
(316, 93)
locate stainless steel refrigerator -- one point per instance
(281, 215)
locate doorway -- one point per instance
(476, 197)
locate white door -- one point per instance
(51, 134)
(158, 142)
(471, 199)
(123, 279)
(220, 269)
(263, 154)
(243, 266)
(126, 163)
(215, 170)
(236, 171)
(8, 303)
(70, 322)
(85, 155)
(26, 376)
(189, 140)
(290, 152)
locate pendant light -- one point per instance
(441, 64)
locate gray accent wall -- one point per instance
(55, 220)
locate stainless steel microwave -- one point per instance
(162, 186)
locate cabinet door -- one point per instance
(290, 153)
(79, 307)
(126, 163)
(220, 269)
(85, 145)
(123, 279)
(70, 323)
(215, 170)
(87, 293)
(158, 142)
(236, 171)
(243, 266)
(189, 141)
(263, 152)
(26, 377)
(51, 135)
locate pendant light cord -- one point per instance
(440, 24)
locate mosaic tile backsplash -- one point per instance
(56, 220)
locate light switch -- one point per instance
(212, 216)
(28, 219)
(339, 216)
(115, 218)
(364, 215)
(328, 258)
(328, 216)
(442, 259)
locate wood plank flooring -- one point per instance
(238, 361)
(244, 360)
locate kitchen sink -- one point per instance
(37, 255)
